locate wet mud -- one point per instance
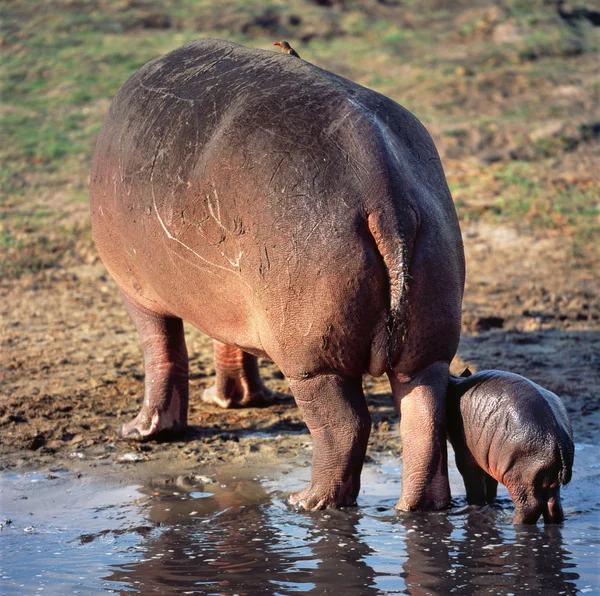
(72, 368)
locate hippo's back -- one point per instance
(287, 184)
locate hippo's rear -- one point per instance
(288, 213)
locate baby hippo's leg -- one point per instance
(473, 477)
(553, 511)
(238, 383)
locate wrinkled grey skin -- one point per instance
(505, 428)
(287, 213)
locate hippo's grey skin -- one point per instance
(291, 214)
(505, 428)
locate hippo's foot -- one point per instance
(151, 426)
(238, 384)
(430, 503)
(315, 497)
(258, 398)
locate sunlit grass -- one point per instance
(63, 61)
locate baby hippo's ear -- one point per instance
(466, 373)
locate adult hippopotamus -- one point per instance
(291, 214)
(506, 428)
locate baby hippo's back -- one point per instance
(515, 431)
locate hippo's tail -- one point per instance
(394, 240)
(566, 461)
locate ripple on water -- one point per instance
(232, 533)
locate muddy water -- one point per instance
(228, 531)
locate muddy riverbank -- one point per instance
(72, 366)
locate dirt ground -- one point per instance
(72, 367)
(510, 93)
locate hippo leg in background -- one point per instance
(238, 383)
(491, 489)
(553, 511)
(421, 403)
(165, 404)
(336, 413)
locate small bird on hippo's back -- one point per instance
(286, 48)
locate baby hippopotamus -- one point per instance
(505, 428)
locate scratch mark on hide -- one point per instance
(276, 170)
(166, 230)
(338, 123)
(171, 252)
(188, 262)
(354, 164)
(217, 218)
(311, 231)
(285, 138)
(164, 93)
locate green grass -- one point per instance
(63, 61)
(516, 195)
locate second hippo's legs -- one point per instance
(473, 476)
(238, 383)
(421, 403)
(165, 404)
(336, 413)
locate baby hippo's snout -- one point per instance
(505, 428)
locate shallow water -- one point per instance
(230, 532)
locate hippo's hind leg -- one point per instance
(165, 404)
(529, 505)
(553, 511)
(422, 407)
(336, 413)
(238, 383)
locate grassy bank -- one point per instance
(510, 92)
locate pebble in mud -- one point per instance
(131, 457)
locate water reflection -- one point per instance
(234, 537)
(342, 555)
(211, 542)
(240, 540)
(478, 552)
